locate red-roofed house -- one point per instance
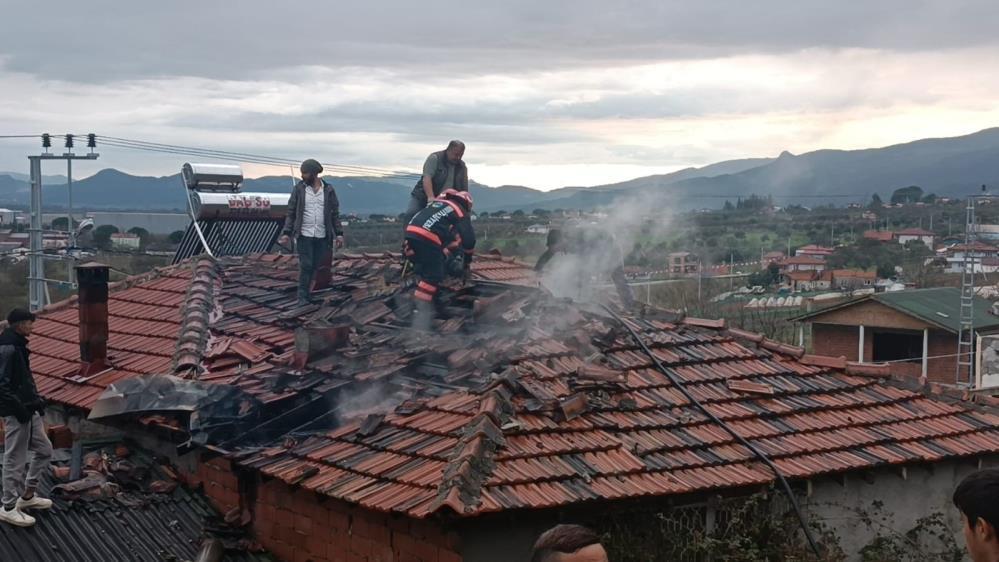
(815, 251)
(802, 263)
(853, 278)
(341, 434)
(879, 235)
(801, 281)
(919, 234)
(979, 253)
(772, 257)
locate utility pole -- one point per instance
(731, 269)
(37, 282)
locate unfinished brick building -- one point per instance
(915, 330)
(336, 433)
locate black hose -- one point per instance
(759, 454)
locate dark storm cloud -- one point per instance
(105, 40)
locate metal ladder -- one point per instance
(966, 335)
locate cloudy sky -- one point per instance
(545, 94)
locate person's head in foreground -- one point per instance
(568, 543)
(977, 497)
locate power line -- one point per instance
(245, 157)
(278, 162)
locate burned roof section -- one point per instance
(514, 400)
(575, 412)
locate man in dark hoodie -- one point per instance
(24, 432)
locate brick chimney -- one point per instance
(93, 303)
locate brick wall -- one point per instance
(297, 525)
(833, 340)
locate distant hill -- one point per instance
(953, 166)
(946, 166)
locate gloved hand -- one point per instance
(38, 405)
(23, 415)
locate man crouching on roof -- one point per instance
(313, 220)
(433, 235)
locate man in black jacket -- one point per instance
(24, 432)
(442, 170)
(433, 235)
(313, 220)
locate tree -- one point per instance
(765, 277)
(176, 236)
(911, 194)
(484, 215)
(876, 202)
(142, 233)
(102, 235)
(59, 223)
(930, 198)
(728, 206)
(518, 213)
(540, 213)
(886, 270)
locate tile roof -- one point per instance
(854, 274)
(226, 322)
(879, 235)
(914, 232)
(573, 412)
(803, 260)
(535, 402)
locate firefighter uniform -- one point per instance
(437, 232)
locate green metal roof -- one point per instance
(940, 306)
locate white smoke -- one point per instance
(609, 235)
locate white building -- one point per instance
(538, 229)
(7, 217)
(924, 236)
(125, 241)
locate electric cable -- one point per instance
(119, 141)
(743, 441)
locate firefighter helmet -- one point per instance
(463, 196)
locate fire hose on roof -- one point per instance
(785, 487)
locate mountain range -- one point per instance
(951, 166)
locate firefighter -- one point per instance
(595, 248)
(438, 237)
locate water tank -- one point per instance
(216, 205)
(212, 177)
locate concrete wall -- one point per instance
(840, 504)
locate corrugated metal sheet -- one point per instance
(229, 237)
(157, 528)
